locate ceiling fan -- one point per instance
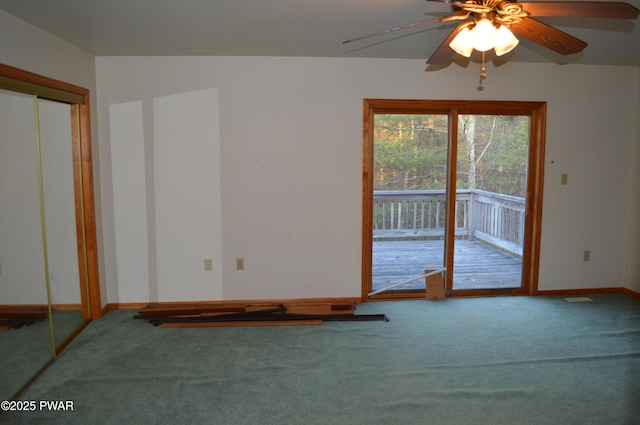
(493, 24)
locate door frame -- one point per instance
(78, 99)
(535, 182)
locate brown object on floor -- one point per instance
(435, 286)
(16, 316)
(190, 309)
(179, 315)
(244, 323)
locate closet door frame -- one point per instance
(78, 97)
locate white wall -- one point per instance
(167, 213)
(31, 49)
(186, 174)
(28, 48)
(632, 266)
(291, 162)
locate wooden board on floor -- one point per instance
(196, 309)
(266, 313)
(187, 310)
(323, 308)
(242, 323)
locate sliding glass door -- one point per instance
(448, 188)
(491, 188)
(409, 199)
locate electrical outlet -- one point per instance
(208, 265)
(239, 263)
(587, 255)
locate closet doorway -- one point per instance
(48, 260)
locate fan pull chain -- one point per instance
(483, 71)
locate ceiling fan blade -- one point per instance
(444, 52)
(586, 9)
(548, 36)
(402, 27)
(448, 1)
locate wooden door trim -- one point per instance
(367, 197)
(452, 155)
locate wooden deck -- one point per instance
(476, 265)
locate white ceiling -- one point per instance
(293, 28)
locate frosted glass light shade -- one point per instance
(463, 42)
(484, 35)
(505, 41)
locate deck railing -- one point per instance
(421, 214)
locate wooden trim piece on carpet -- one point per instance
(229, 303)
(247, 323)
(122, 306)
(23, 312)
(17, 316)
(250, 313)
(161, 309)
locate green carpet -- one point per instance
(512, 360)
(25, 350)
(22, 352)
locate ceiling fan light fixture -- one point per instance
(484, 36)
(505, 41)
(463, 42)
